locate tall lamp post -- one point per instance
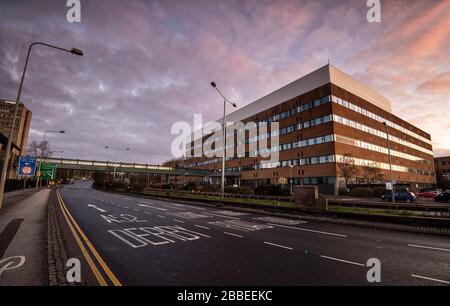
(42, 156)
(290, 176)
(390, 161)
(19, 93)
(115, 156)
(225, 100)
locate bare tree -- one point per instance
(41, 149)
(372, 174)
(347, 168)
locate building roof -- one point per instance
(322, 76)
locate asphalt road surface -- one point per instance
(139, 241)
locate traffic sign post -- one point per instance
(47, 171)
(27, 166)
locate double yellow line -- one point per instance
(82, 240)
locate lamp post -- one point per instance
(19, 93)
(290, 176)
(225, 100)
(115, 157)
(42, 156)
(390, 162)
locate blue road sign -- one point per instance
(27, 166)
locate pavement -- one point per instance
(22, 238)
(128, 240)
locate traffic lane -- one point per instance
(395, 258)
(220, 260)
(401, 266)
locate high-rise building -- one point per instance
(328, 121)
(21, 130)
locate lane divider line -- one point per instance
(100, 260)
(342, 260)
(231, 234)
(428, 247)
(200, 226)
(278, 245)
(309, 230)
(431, 279)
(179, 221)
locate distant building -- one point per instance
(327, 118)
(442, 165)
(21, 130)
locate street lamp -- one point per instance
(290, 176)
(42, 155)
(225, 100)
(115, 156)
(390, 162)
(19, 93)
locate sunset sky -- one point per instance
(148, 64)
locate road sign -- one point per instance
(389, 186)
(48, 171)
(27, 166)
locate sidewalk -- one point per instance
(23, 230)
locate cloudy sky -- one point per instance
(148, 64)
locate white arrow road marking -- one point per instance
(143, 205)
(99, 209)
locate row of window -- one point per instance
(376, 117)
(367, 129)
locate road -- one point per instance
(139, 241)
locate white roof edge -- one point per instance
(324, 75)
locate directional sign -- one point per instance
(27, 166)
(48, 171)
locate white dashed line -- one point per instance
(231, 234)
(146, 212)
(427, 247)
(431, 279)
(344, 261)
(309, 230)
(204, 227)
(278, 245)
(161, 216)
(175, 220)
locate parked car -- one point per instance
(428, 194)
(404, 195)
(443, 197)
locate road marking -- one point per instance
(199, 226)
(278, 245)
(149, 206)
(309, 230)
(280, 220)
(103, 264)
(95, 207)
(88, 257)
(428, 247)
(342, 260)
(170, 206)
(146, 212)
(231, 234)
(431, 279)
(228, 217)
(175, 220)
(161, 216)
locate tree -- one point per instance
(347, 168)
(41, 149)
(372, 174)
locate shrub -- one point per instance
(271, 190)
(343, 191)
(361, 192)
(378, 191)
